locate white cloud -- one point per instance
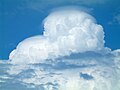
(65, 32)
(73, 43)
(82, 71)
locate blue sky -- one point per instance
(20, 19)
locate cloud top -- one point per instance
(65, 32)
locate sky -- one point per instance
(60, 44)
(20, 19)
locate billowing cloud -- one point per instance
(86, 71)
(70, 55)
(65, 32)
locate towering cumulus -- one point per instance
(65, 32)
(70, 55)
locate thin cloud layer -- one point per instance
(36, 4)
(65, 32)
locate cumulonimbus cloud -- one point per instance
(70, 55)
(65, 32)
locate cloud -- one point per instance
(40, 5)
(70, 55)
(117, 18)
(86, 71)
(65, 32)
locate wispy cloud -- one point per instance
(116, 17)
(43, 4)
